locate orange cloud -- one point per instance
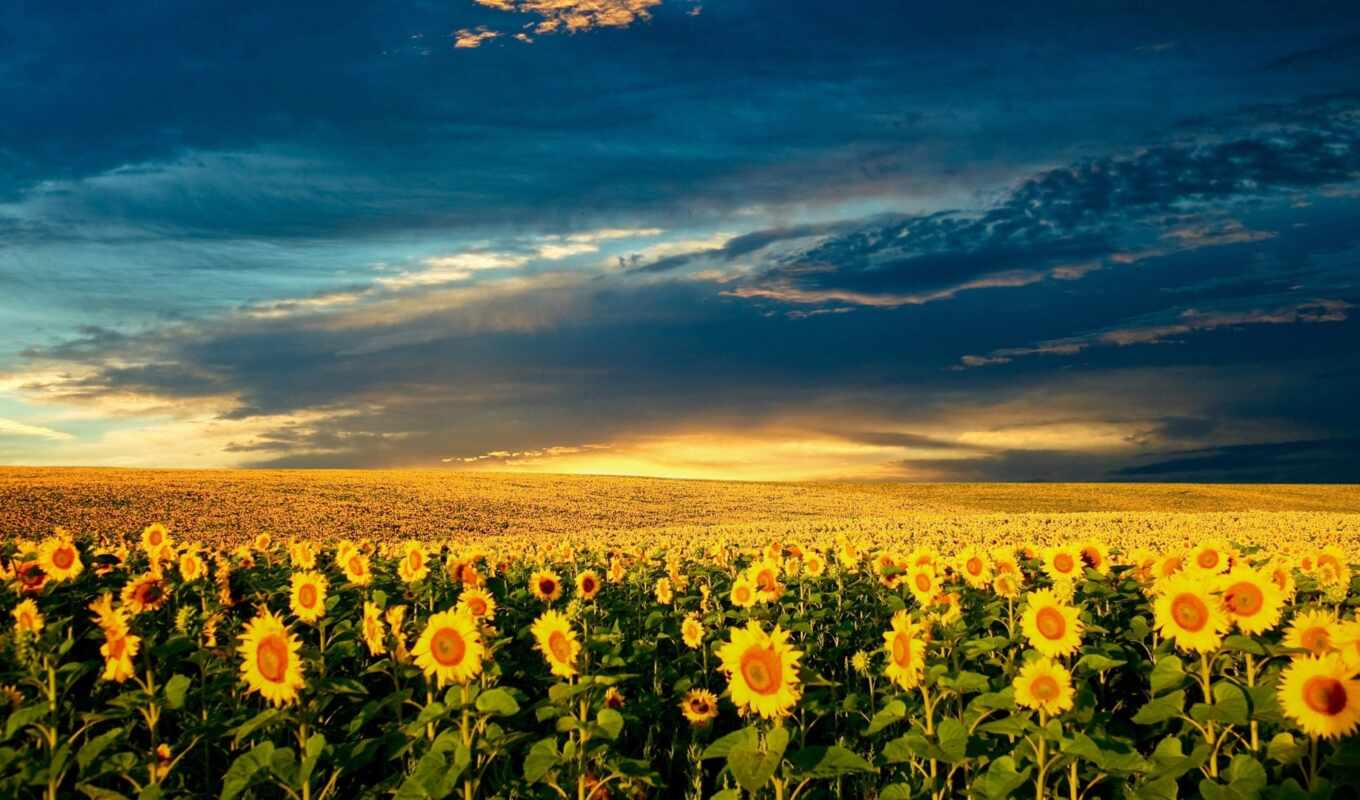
(557, 16)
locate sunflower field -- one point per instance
(844, 665)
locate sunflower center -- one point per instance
(760, 669)
(356, 565)
(155, 537)
(151, 592)
(416, 559)
(698, 705)
(1316, 639)
(765, 580)
(1190, 612)
(307, 595)
(63, 557)
(1207, 559)
(560, 647)
(547, 586)
(901, 650)
(588, 585)
(447, 647)
(922, 582)
(476, 605)
(271, 657)
(1044, 687)
(1325, 695)
(1050, 623)
(1244, 599)
(1090, 558)
(1063, 562)
(742, 594)
(974, 566)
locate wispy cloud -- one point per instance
(560, 16)
(9, 427)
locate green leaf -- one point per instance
(1167, 674)
(1098, 663)
(541, 758)
(1246, 776)
(245, 768)
(1109, 756)
(722, 746)
(610, 722)
(97, 793)
(174, 691)
(1284, 749)
(1000, 779)
(895, 791)
(498, 703)
(893, 712)
(828, 762)
(752, 766)
(1243, 644)
(727, 794)
(912, 744)
(253, 724)
(1014, 725)
(1161, 709)
(316, 745)
(953, 738)
(23, 717)
(95, 747)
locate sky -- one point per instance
(737, 239)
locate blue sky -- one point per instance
(964, 241)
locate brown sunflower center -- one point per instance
(1244, 598)
(1325, 695)
(901, 650)
(974, 566)
(1044, 688)
(150, 593)
(760, 669)
(1190, 612)
(922, 582)
(1091, 557)
(588, 585)
(447, 647)
(271, 657)
(1063, 562)
(63, 557)
(416, 560)
(1316, 639)
(559, 646)
(546, 586)
(1207, 559)
(307, 595)
(476, 605)
(1050, 622)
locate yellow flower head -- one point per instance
(478, 603)
(155, 537)
(1189, 614)
(356, 567)
(1062, 563)
(27, 618)
(906, 651)
(375, 635)
(699, 706)
(557, 642)
(59, 558)
(972, 563)
(923, 584)
(743, 593)
(145, 593)
(118, 650)
(764, 576)
(1209, 558)
(105, 615)
(269, 659)
(263, 542)
(1322, 695)
(1007, 585)
(545, 585)
(1252, 601)
(692, 632)
(1094, 555)
(302, 554)
(814, 565)
(616, 570)
(415, 563)
(762, 670)
(587, 585)
(308, 597)
(1314, 631)
(1044, 685)
(450, 648)
(664, 593)
(1051, 625)
(191, 566)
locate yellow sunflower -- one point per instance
(1044, 685)
(587, 585)
(664, 593)
(1209, 558)
(191, 566)
(1062, 563)
(906, 651)
(155, 537)
(1168, 565)
(478, 603)
(616, 570)
(1314, 631)
(375, 635)
(146, 593)
(59, 558)
(1348, 642)
(415, 563)
(308, 597)
(923, 584)
(1251, 600)
(1189, 613)
(743, 593)
(1006, 585)
(27, 618)
(105, 615)
(814, 565)
(1322, 695)
(269, 659)
(118, 650)
(450, 648)
(972, 562)
(356, 567)
(764, 576)
(762, 670)
(1050, 625)
(699, 706)
(302, 555)
(1281, 573)
(692, 632)
(545, 585)
(558, 643)
(1095, 555)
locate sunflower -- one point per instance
(1321, 694)
(191, 566)
(154, 537)
(1044, 685)
(1004, 563)
(450, 648)
(27, 618)
(269, 659)
(356, 567)
(1281, 573)
(762, 670)
(1168, 565)
(587, 585)
(118, 650)
(1050, 625)
(743, 593)
(146, 593)
(973, 564)
(1251, 600)
(764, 575)
(1348, 642)
(699, 706)
(923, 584)
(396, 623)
(664, 593)
(1314, 631)
(814, 565)
(375, 635)
(1006, 585)
(415, 563)
(1189, 613)
(105, 615)
(545, 585)
(1095, 555)
(1209, 558)
(308, 598)
(1062, 562)
(557, 642)
(478, 603)
(59, 558)
(692, 632)
(302, 555)
(906, 651)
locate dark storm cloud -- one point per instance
(1310, 461)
